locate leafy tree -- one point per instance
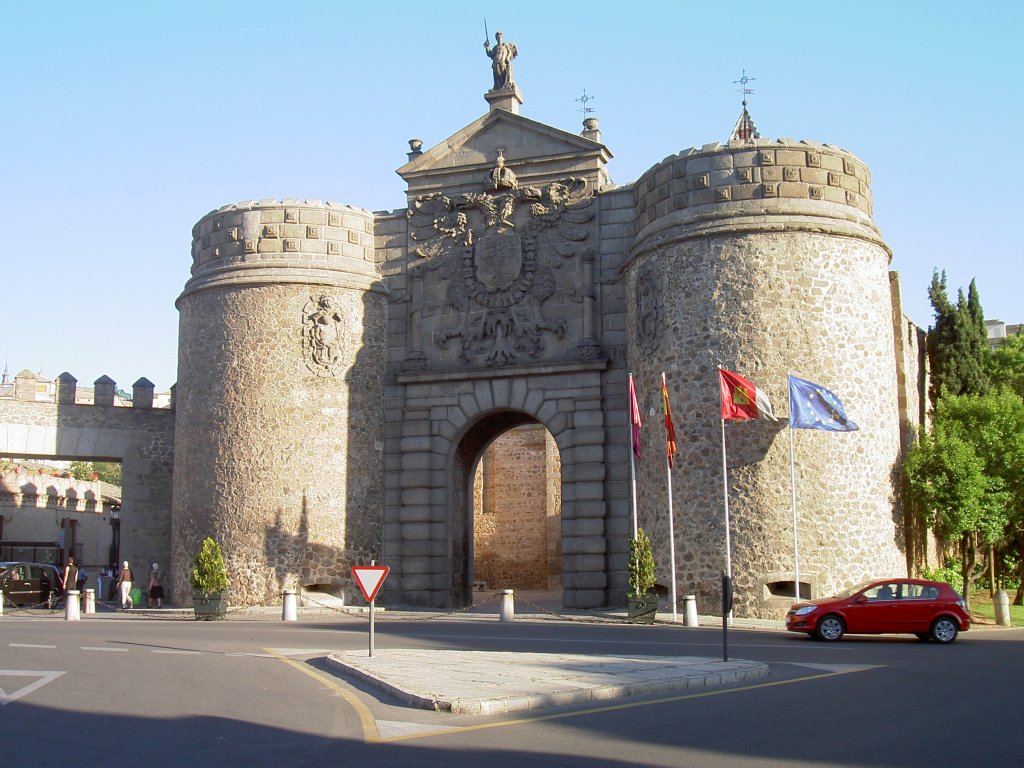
(957, 343)
(967, 476)
(107, 471)
(81, 470)
(1006, 365)
(946, 480)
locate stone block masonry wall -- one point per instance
(781, 286)
(517, 513)
(279, 408)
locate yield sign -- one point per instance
(369, 578)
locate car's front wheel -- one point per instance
(944, 630)
(830, 629)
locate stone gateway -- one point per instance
(342, 373)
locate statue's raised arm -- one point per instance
(501, 61)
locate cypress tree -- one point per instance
(957, 344)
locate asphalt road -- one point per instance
(257, 692)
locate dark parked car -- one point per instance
(932, 610)
(31, 584)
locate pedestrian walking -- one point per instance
(156, 587)
(70, 576)
(124, 585)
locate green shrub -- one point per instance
(641, 565)
(209, 573)
(950, 573)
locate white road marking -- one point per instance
(44, 678)
(31, 645)
(181, 653)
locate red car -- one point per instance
(932, 610)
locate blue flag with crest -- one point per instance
(811, 406)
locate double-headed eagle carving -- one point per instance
(498, 252)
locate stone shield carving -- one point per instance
(324, 336)
(497, 255)
(648, 309)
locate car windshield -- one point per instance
(851, 591)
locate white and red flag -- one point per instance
(741, 399)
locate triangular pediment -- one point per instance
(537, 153)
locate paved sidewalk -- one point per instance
(484, 683)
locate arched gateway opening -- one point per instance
(506, 511)
(517, 542)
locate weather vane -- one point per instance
(583, 100)
(743, 83)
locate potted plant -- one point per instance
(642, 599)
(209, 582)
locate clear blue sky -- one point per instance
(125, 122)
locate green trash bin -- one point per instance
(136, 596)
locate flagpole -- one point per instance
(671, 525)
(632, 456)
(792, 483)
(725, 493)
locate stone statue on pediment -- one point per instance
(501, 56)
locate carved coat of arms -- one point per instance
(324, 340)
(497, 253)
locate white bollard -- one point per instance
(1001, 602)
(1, 603)
(690, 611)
(507, 611)
(72, 608)
(289, 611)
(90, 601)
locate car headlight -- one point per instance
(804, 610)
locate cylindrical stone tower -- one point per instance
(762, 257)
(278, 441)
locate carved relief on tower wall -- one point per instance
(501, 276)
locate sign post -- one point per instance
(370, 578)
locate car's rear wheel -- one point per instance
(944, 630)
(830, 628)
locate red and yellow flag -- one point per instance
(670, 430)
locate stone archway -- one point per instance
(442, 423)
(516, 512)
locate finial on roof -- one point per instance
(744, 130)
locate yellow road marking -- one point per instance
(366, 719)
(449, 730)
(372, 736)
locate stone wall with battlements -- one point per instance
(793, 282)
(141, 438)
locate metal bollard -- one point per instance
(690, 611)
(72, 608)
(90, 601)
(507, 610)
(289, 611)
(1001, 602)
